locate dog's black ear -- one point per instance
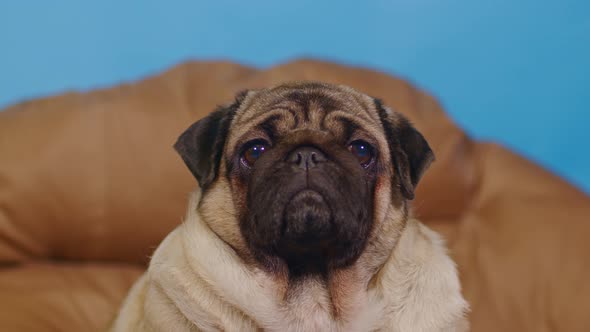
(410, 152)
(201, 145)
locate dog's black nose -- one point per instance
(306, 157)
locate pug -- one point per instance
(301, 222)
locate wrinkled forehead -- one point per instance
(313, 106)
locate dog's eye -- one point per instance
(363, 152)
(253, 152)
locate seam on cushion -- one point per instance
(23, 245)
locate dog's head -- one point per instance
(304, 174)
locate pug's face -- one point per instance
(303, 175)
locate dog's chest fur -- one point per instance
(312, 307)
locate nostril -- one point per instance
(314, 158)
(299, 158)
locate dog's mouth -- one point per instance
(307, 221)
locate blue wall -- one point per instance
(517, 72)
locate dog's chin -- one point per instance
(307, 228)
(313, 237)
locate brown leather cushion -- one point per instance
(91, 177)
(62, 296)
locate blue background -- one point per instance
(517, 72)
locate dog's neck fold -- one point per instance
(360, 297)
